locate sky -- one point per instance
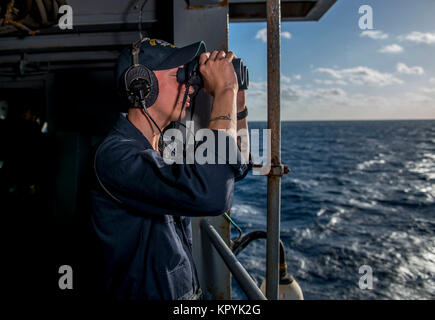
(333, 70)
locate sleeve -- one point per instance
(142, 180)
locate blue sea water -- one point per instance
(359, 193)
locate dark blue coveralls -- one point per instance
(141, 214)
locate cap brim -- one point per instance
(182, 56)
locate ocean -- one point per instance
(359, 193)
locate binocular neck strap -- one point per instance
(184, 103)
(151, 118)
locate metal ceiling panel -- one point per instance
(291, 10)
(97, 12)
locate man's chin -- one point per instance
(183, 115)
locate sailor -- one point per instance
(141, 204)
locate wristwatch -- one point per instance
(242, 114)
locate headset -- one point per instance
(140, 83)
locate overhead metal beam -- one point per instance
(317, 12)
(82, 56)
(111, 11)
(62, 42)
(291, 10)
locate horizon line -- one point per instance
(337, 120)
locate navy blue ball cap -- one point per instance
(159, 55)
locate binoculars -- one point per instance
(191, 73)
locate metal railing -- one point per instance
(277, 169)
(243, 278)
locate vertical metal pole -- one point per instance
(274, 124)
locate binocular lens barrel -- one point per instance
(245, 83)
(191, 73)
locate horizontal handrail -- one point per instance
(243, 278)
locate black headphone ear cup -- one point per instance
(140, 82)
(154, 90)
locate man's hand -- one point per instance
(220, 81)
(218, 72)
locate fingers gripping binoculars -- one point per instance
(190, 73)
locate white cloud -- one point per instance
(419, 37)
(429, 91)
(394, 48)
(290, 79)
(326, 82)
(341, 82)
(258, 93)
(308, 103)
(374, 34)
(432, 80)
(361, 75)
(331, 82)
(291, 93)
(329, 93)
(331, 72)
(257, 90)
(262, 34)
(285, 79)
(296, 93)
(286, 35)
(403, 68)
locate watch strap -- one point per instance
(242, 114)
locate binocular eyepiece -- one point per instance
(190, 73)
